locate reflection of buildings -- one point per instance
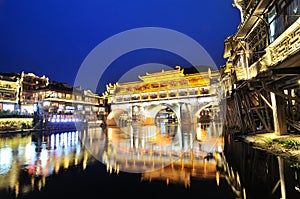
(42, 156)
(178, 174)
(173, 155)
(254, 173)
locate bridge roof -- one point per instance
(166, 80)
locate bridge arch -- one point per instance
(202, 108)
(153, 110)
(117, 117)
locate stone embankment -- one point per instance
(287, 146)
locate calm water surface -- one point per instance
(140, 161)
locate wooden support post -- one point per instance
(265, 100)
(281, 175)
(261, 118)
(249, 114)
(239, 111)
(289, 106)
(267, 116)
(280, 93)
(279, 117)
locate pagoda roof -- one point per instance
(162, 76)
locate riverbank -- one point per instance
(48, 128)
(32, 130)
(287, 146)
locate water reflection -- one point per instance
(139, 149)
(27, 159)
(253, 173)
(170, 153)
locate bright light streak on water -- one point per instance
(5, 159)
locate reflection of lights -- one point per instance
(85, 158)
(56, 167)
(198, 133)
(69, 139)
(65, 139)
(17, 189)
(218, 177)
(44, 158)
(32, 182)
(57, 139)
(131, 140)
(143, 143)
(109, 134)
(63, 120)
(78, 149)
(5, 159)
(61, 139)
(66, 162)
(30, 152)
(136, 143)
(76, 137)
(52, 141)
(73, 138)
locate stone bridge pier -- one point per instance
(144, 113)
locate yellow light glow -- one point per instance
(109, 133)
(66, 163)
(218, 177)
(56, 168)
(198, 133)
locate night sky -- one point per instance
(53, 37)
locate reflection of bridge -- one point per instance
(182, 151)
(186, 95)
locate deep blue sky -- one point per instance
(53, 37)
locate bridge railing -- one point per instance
(162, 95)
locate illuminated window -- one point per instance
(271, 17)
(79, 107)
(281, 15)
(78, 97)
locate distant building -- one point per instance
(9, 91)
(30, 83)
(27, 93)
(58, 101)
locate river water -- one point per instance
(166, 160)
